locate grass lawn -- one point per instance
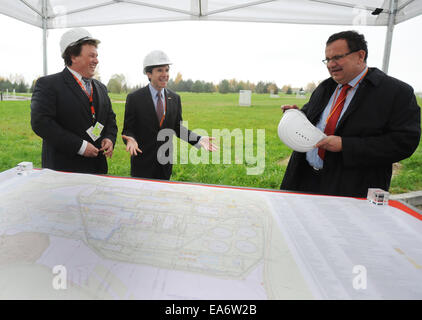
(206, 111)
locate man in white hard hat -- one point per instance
(371, 120)
(72, 112)
(150, 110)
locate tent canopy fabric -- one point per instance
(51, 14)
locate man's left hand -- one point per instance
(331, 143)
(207, 144)
(107, 147)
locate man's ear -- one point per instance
(362, 55)
(72, 58)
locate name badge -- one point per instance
(95, 131)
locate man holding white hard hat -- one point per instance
(370, 121)
(72, 112)
(149, 111)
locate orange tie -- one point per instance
(334, 116)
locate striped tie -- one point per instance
(87, 83)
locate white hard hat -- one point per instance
(72, 36)
(297, 132)
(156, 58)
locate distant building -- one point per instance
(300, 93)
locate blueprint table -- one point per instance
(79, 236)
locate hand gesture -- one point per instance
(91, 151)
(131, 145)
(107, 147)
(207, 144)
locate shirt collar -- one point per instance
(155, 91)
(355, 80)
(76, 74)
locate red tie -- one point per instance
(160, 111)
(334, 115)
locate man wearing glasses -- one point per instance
(371, 121)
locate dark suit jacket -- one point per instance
(142, 124)
(381, 126)
(60, 115)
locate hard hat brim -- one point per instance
(156, 66)
(81, 41)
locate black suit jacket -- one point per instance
(142, 124)
(60, 115)
(381, 126)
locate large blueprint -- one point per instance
(76, 236)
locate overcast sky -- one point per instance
(212, 51)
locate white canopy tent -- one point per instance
(51, 14)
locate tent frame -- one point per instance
(389, 36)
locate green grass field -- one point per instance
(206, 111)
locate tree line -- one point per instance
(13, 83)
(118, 84)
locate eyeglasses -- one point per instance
(337, 58)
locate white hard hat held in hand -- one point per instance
(156, 58)
(297, 132)
(74, 35)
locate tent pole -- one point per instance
(389, 36)
(44, 35)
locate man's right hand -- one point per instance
(91, 151)
(288, 106)
(131, 145)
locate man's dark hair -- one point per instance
(355, 41)
(149, 68)
(75, 50)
